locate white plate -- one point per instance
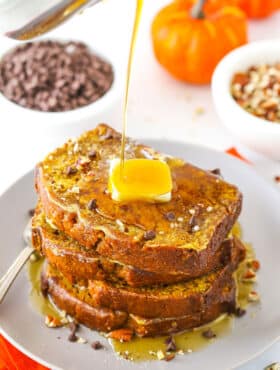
(251, 335)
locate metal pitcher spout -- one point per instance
(24, 22)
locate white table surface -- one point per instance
(160, 107)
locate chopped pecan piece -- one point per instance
(122, 335)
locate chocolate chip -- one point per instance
(71, 171)
(54, 76)
(170, 344)
(216, 172)
(170, 216)
(74, 327)
(208, 334)
(192, 223)
(149, 235)
(277, 178)
(239, 312)
(72, 337)
(31, 212)
(92, 205)
(92, 154)
(97, 345)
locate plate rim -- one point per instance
(152, 142)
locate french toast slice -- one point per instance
(170, 300)
(76, 303)
(79, 263)
(72, 185)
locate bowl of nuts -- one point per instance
(246, 94)
(53, 89)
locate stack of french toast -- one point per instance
(151, 268)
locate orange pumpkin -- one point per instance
(189, 40)
(259, 8)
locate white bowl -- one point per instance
(260, 135)
(46, 130)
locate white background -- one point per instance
(160, 107)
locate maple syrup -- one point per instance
(40, 303)
(143, 349)
(138, 13)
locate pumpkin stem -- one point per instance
(197, 9)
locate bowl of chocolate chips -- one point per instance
(53, 89)
(246, 93)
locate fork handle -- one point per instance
(7, 280)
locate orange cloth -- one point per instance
(12, 359)
(234, 152)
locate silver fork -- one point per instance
(9, 277)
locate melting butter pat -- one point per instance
(140, 179)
